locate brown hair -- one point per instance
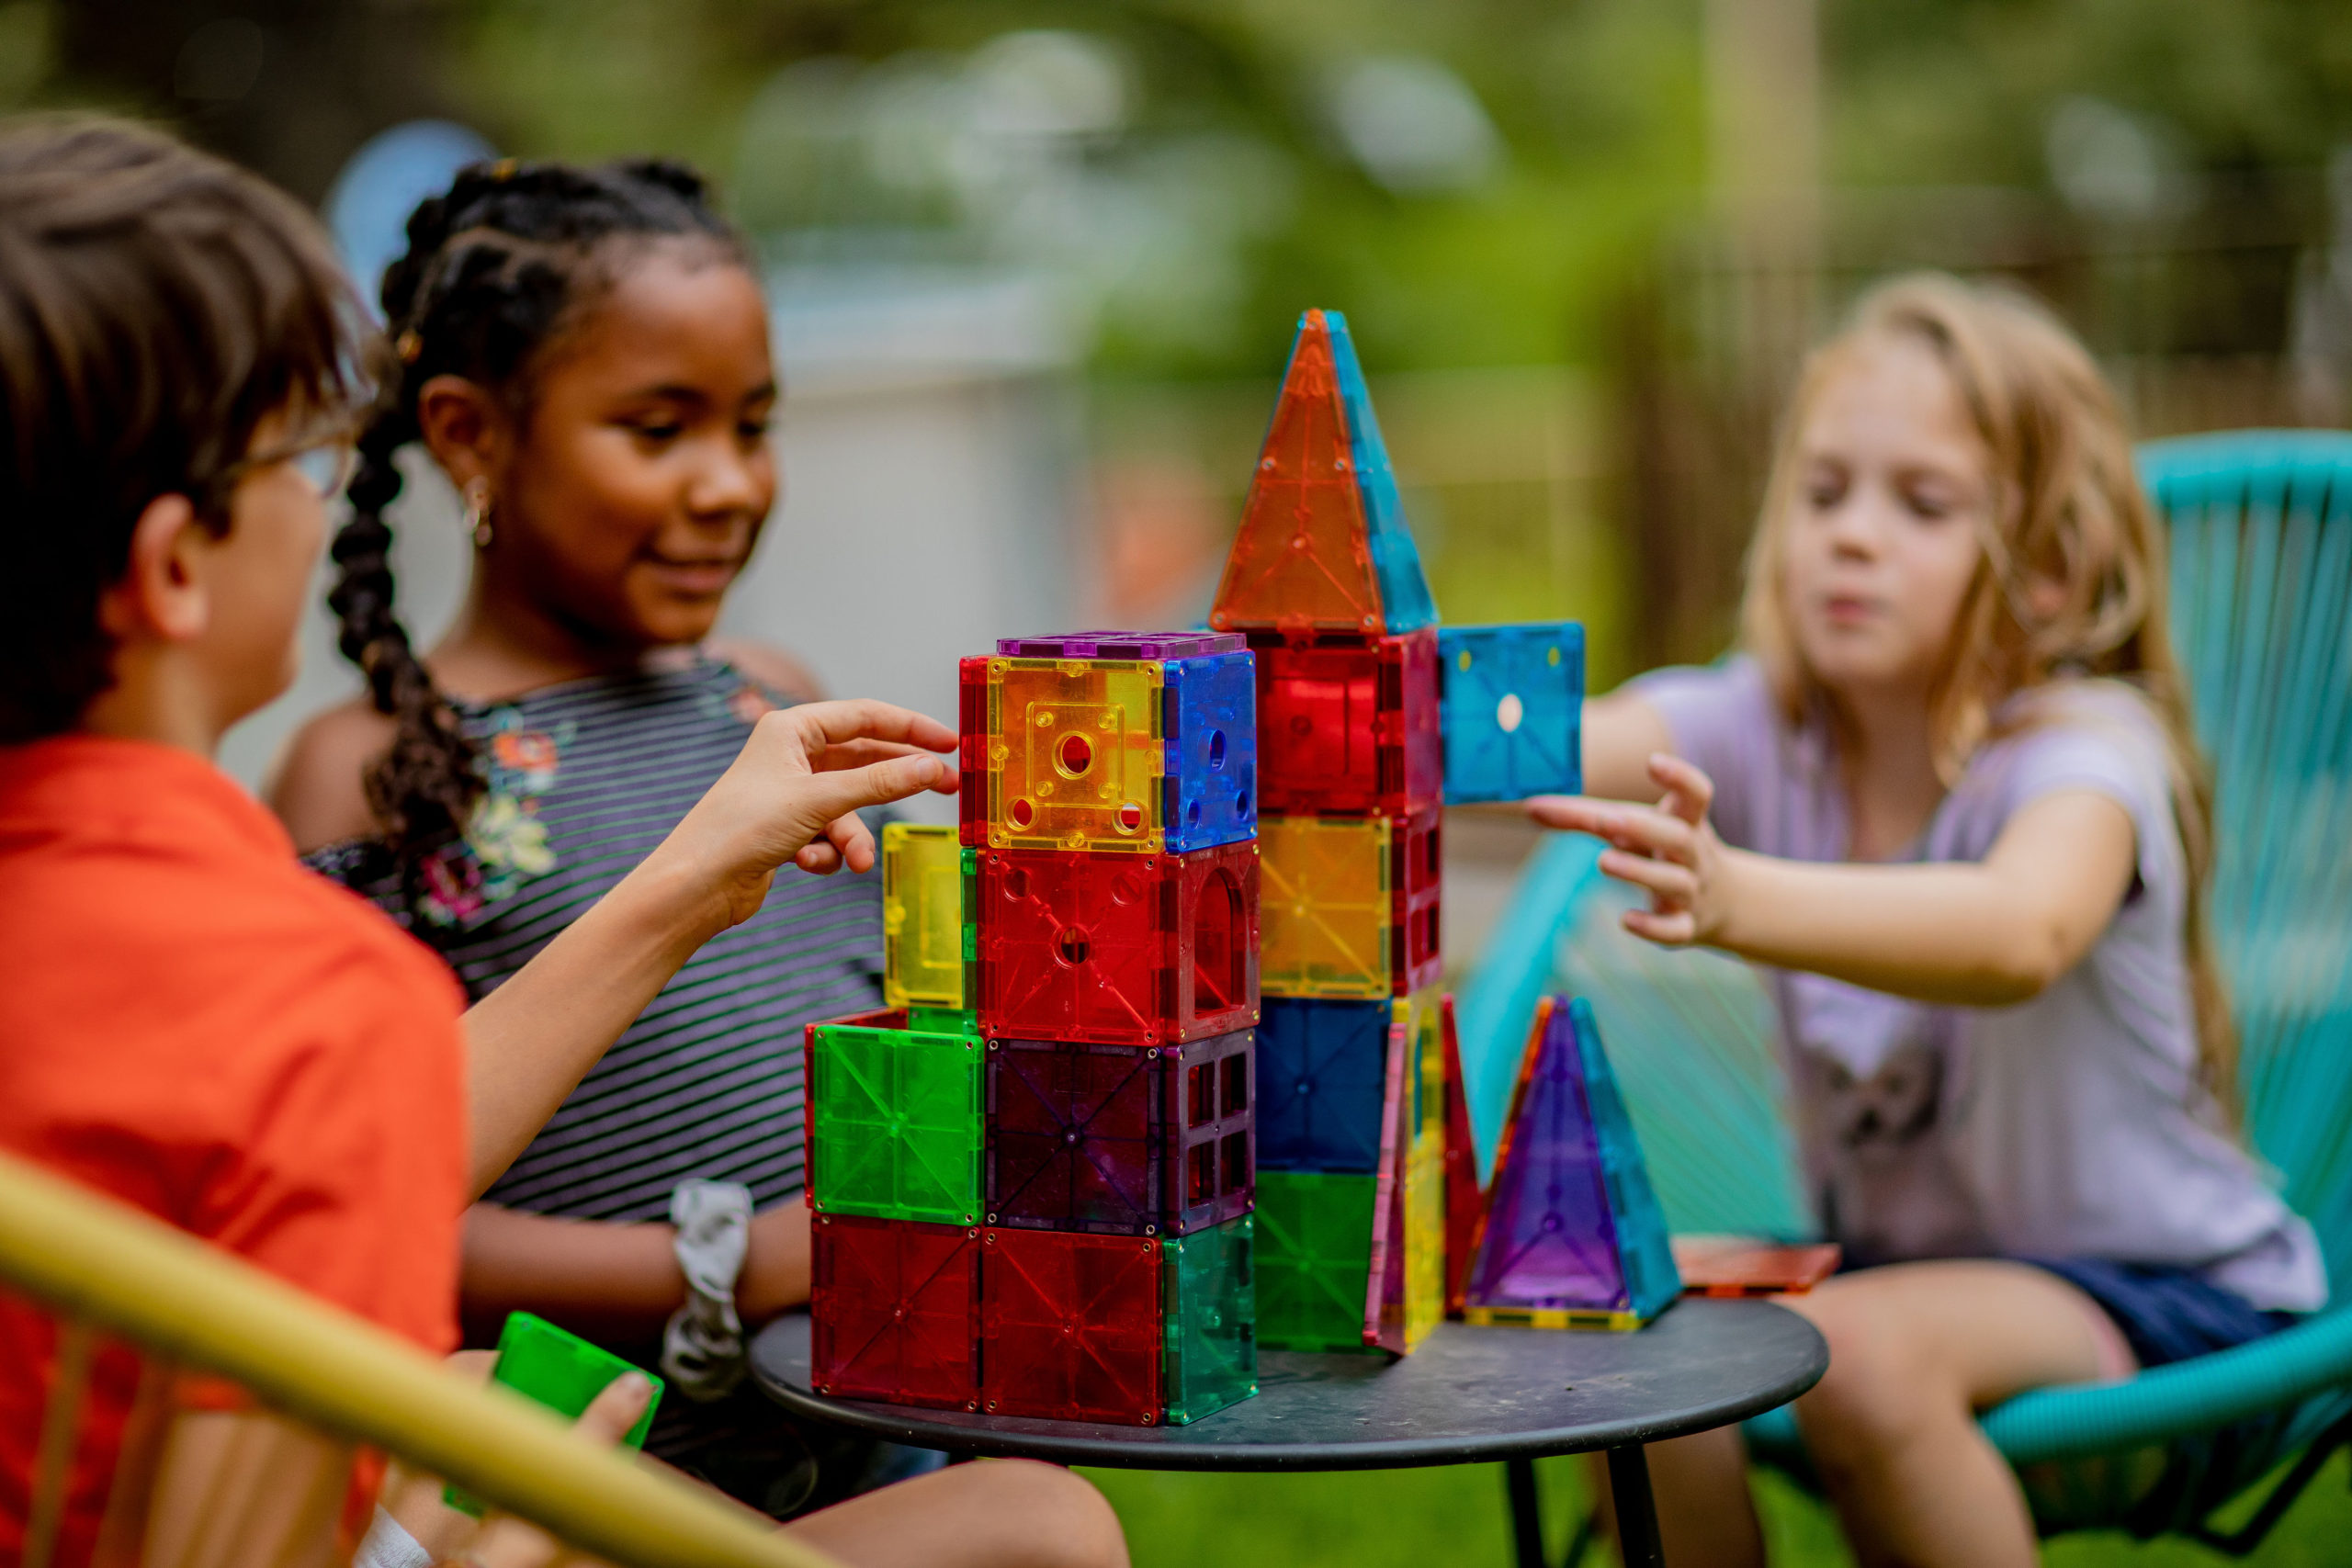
(156, 305)
(2071, 585)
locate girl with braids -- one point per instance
(1946, 794)
(584, 350)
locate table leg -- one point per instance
(1629, 1485)
(1526, 1512)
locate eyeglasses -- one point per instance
(325, 466)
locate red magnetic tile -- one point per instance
(1147, 950)
(1464, 1203)
(1350, 727)
(1416, 875)
(971, 751)
(1071, 1326)
(893, 1307)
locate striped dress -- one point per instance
(583, 779)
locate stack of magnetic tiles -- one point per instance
(1033, 1177)
(1370, 720)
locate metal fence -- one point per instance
(2193, 314)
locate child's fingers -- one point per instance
(1689, 792)
(851, 837)
(1569, 812)
(836, 723)
(1673, 885)
(1642, 830)
(1680, 929)
(842, 842)
(1627, 827)
(836, 794)
(862, 753)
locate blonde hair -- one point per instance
(2071, 585)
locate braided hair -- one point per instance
(495, 269)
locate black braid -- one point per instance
(494, 269)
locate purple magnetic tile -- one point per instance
(1549, 1242)
(1073, 1136)
(1210, 1134)
(1122, 645)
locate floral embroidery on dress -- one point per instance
(749, 702)
(505, 842)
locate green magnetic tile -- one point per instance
(1208, 1320)
(971, 927)
(557, 1368)
(1314, 1258)
(896, 1124)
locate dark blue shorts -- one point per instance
(2167, 1314)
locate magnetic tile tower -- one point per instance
(1371, 719)
(1032, 1175)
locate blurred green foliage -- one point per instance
(1597, 107)
(1961, 92)
(1227, 186)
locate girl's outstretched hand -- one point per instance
(1668, 850)
(794, 791)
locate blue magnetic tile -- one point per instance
(1511, 710)
(1405, 602)
(1321, 1082)
(1643, 1250)
(1210, 719)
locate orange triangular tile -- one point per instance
(1302, 562)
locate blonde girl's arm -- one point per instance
(1988, 933)
(1621, 732)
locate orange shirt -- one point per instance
(196, 1024)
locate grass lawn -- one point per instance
(1423, 1519)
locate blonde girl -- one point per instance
(1945, 796)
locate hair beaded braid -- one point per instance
(494, 269)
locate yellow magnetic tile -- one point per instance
(1425, 1064)
(1324, 907)
(922, 916)
(1075, 755)
(1549, 1317)
(1424, 1237)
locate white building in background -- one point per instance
(930, 441)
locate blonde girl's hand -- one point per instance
(1669, 850)
(793, 792)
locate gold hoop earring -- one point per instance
(478, 511)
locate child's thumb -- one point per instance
(611, 1414)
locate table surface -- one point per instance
(1466, 1395)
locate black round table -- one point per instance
(1467, 1395)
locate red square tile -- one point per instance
(1118, 950)
(1071, 1326)
(894, 1307)
(1349, 727)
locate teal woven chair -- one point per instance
(2261, 535)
